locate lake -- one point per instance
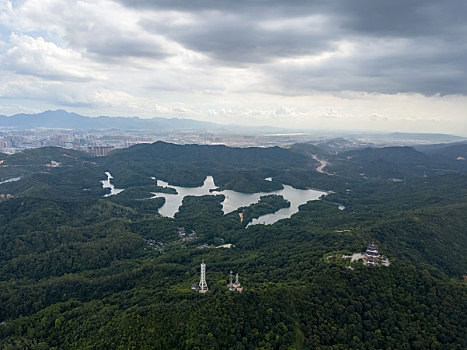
(234, 200)
(108, 184)
(13, 179)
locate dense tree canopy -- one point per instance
(82, 271)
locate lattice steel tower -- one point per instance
(203, 286)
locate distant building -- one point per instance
(192, 235)
(371, 254)
(181, 232)
(184, 236)
(228, 246)
(100, 151)
(53, 164)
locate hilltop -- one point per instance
(60, 119)
(80, 270)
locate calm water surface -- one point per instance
(107, 184)
(234, 200)
(13, 179)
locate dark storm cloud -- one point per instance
(239, 6)
(402, 18)
(405, 17)
(113, 48)
(430, 60)
(112, 42)
(239, 40)
(384, 76)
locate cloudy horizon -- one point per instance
(360, 65)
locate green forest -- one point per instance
(81, 270)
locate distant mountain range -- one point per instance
(61, 119)
(420, 141)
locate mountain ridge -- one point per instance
(62, 119)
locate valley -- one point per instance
(81, 268)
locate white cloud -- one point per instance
(35, 56)
(101, 27)
(378, 117)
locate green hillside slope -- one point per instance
(82, 271)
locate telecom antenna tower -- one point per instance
(231, 287)
(203, 286)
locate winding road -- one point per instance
(321, 166)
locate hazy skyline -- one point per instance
(355, 65)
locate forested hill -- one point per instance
(392, 162)
(451, 152)
(226, 156)
(242, 169)
(82, 271)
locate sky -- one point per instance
(398, 65)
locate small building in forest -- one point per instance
(371, 254)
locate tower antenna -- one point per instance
(203, 286)
(231, 287)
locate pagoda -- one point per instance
(371, 254)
